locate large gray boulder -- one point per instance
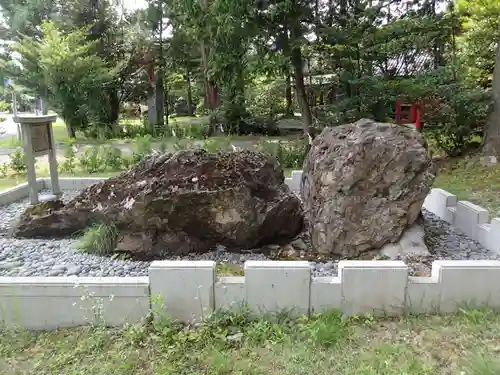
(179, 203)
(363, 185)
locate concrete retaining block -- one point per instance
(439, 202)
(18, 192)
(183, 290)
(452, 213)
(230, 293)
(48, 303)
(483, 234)
(423, 294)
(276, 286)
(468, 216)
(473, 283)
(493, 236)
(326, 294)
(373, 286)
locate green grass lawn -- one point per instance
(464, 343)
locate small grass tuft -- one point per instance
(224, 269)
(100, 239)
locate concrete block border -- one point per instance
(470, 218)
(191, 290)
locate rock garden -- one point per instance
(361, 196)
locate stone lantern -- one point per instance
(38, 140)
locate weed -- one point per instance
(113, 158)
(100, 239)
(225, 269)
(92, 161)
(69, 163)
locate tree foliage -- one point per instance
(333, 61)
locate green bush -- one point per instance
(4, 106)
(143, 144)
(2, 119)
(69, 163)
(4, 170)
(197, 131)
(265, 99)
(113, 158)
(142, 148)
(455, 120)
(92, 160)
(18, 161)
(289, 154)
(131, 129)
(100, 239)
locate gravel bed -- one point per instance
(444, 243)
(23, 257)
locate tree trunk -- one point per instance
(160, 100)
(189, 92)
(114, 104)
(491, 143)
(71, 131)
(288, 95)
(160, 92)
(300, 89)
(211, 92)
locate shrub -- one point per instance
(69, 164)
(289, 154)
(4, 170)
(2, 118)
(196, 131)
(143, 144)
(92, 161)
(100, 239)
(456, 118)
(176, 130)
(127, 161)
(133, 129)
(113, 158)
(4, 106)
(142, 148)
(18, 161)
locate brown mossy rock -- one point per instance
(183, 202)
(363, 184)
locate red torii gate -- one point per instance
(409, 114)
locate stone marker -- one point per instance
(38, 140)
